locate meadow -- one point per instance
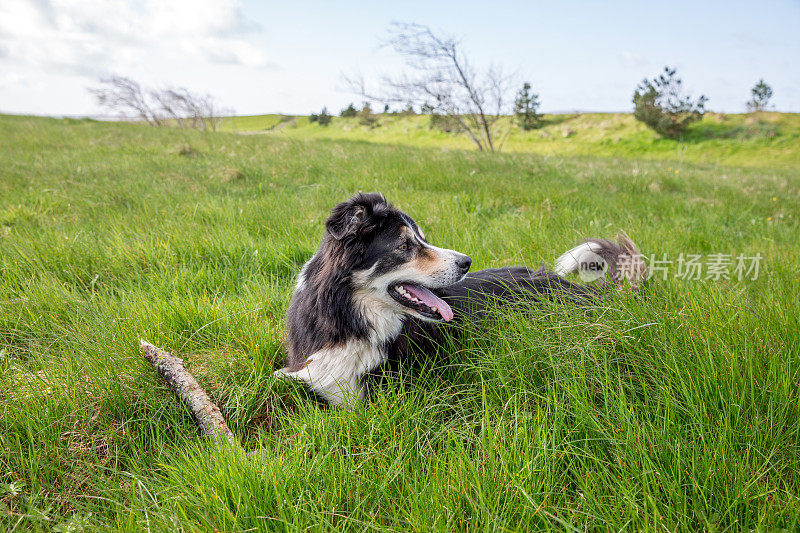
(767, 139)
(677, 409)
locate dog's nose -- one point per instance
(464, 262)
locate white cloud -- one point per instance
(91, 37)
(12, 79)
(630, 59)
(215, 50)
(188, 17)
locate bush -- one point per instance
(761, 95)
(659, 103)
(349, 112)
(525, 106)
(323, 119)
(445, 123)
(366, 116)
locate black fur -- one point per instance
(365, 232)
(321, 314)
(484, 289)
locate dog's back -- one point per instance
(621, 266)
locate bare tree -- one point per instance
(187, 109)
(125, 96)
(172, 105)
(442, 80)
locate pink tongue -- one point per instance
(431, 300)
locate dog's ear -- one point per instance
(351, 216)
(345, 221)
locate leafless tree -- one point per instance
(187, 109)
(126, 97)
(162, 107)
(441, 78)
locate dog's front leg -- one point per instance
(335, 374)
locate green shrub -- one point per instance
(323, 118)
(525, 107)
(366, 116)
(761, 95)
(441, 122)
(660, 104)
(349, 112)
(445, 123)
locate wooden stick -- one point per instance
(205, 412)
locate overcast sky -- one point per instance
(289, 56)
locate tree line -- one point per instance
(440, 80)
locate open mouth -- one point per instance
(421, 300)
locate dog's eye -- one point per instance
(403, 247)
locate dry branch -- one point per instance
(205, 412)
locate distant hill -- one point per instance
(734, 139)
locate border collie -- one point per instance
(376, 287)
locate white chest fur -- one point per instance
(335, 373)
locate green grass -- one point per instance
(677, 411)
(762, 140)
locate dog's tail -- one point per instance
(618, 262)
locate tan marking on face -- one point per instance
(428, 261)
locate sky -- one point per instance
(291, 56)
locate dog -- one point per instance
(376, 288)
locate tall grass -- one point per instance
(677, 410)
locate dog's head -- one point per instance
(391, 263)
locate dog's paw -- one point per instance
(285, 373)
